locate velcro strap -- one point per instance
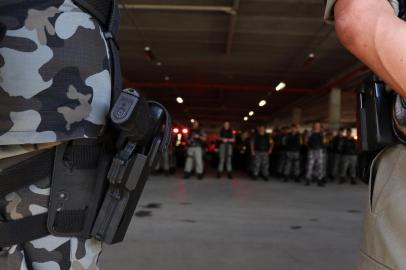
(22, 231)
(26, 172)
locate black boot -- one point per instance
(219, 174)
(320, 183)
(186, 175)
(229, 175)
(353, 182)
(307, 182)
(200, 176)
(285, 179)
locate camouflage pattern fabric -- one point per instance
(292, 164)
(55, 81)
(316, 164)
(48, 253)
(261, 164)
(329, 11)
(349, 164)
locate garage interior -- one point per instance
(222, 57)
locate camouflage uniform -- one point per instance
(316, 164)
(292, 154)
(316, 158)
(55, 85)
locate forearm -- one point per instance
(373, 33)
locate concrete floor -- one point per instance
(240, 225)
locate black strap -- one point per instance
(23, 231)
(26, 173)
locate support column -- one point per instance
(296, 116)
(335, 108)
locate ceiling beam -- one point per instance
(232, 27)
(202, 86)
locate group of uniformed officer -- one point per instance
(315, 155)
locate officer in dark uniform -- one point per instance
(195, 147)
(315, 156)
(349, 158)
(227, 139)
(292, 148)
(336, 151)
(261, 148)
(282, 151)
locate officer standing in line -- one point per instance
(226, 150)
(293, 144)
(336, 151)
(195, 146)
(261, 148)
(282, 151)
(49, 94)
(349, 158)
(315, 156)
(373, 32)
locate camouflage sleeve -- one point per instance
(329, 12)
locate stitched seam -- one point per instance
(375, 261)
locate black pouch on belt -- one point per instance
(78, 185)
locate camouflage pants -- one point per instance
(50, 252)
(349, 164)
(292, 164)
(226, 157)
(261, 164)
(336, 165)
(316, 164)
(281, 162)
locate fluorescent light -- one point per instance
(147, 48)
(312, 55)
(159, 64)
(246, 118)
(167, 78)
(192, 120)
(251, 113)
(179, 100)
(280, 86)
(262, 103)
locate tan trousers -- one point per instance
(384, 241)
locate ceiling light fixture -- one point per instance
(251, 113)
(262, 103)
(246, 118)
(280, 86)
(159, 64)
(167, 78)
(179, 100)
(192, 120)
